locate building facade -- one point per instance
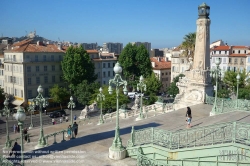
(89, 46)
(156, 53)
(146, 44)
(113, 47)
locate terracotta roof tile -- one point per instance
(162, 64)
(241, 47)
(92, 51)
(23, 42)
(237, 55)
(217, 48)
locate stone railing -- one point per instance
(230, 132)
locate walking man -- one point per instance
(14, 128)
(75, 127)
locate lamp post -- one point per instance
(71, 105)
(20, 117)
(238, 81)
(215, 74)
(140, 87)
(41, 102)
(31, 110)
(117, 151)
(100, 98)
(6, 112)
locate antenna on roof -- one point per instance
(26, 33)
(59, 39)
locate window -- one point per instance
(104, 82)
(21, 93)
(219, 52)
(108, 65)
(53, 67)
(28, 68)
(248, 59)
(248, 68)
(173, 68)
(104, 65)
(113, 64)
(37, 68)
(98, 65)
(37, 80)
(45, 79)
(162, 74)
(225, 52)
(108, 73)
(52, 58)
(166, 73)
(233, 51)
(104, 74)
(60, 67)
(224, 60)
(53, 79)
(239, 51)
(60, 57)
(182, 61)
(46, 91)
(213, 59)
(44, 58)
(98, 75)
(15, 92)
(29, 93)
(21, 81)
(230, 60)
(36, 58)
(245, 51)
(45, 68)
(29, 81)
(235, 60)
(21, 69)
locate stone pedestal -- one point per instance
(117, 154)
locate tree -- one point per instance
(189, 45)
(135, 62)
(77, 66)
(153, 84)
(230, 79)
(58, 94)
(84, 91)
(173, 89)
(2, 96)
(110, 99)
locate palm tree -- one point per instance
(188, 45)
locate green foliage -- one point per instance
(173, 89)
(84, 91)
(152, 99)
(110, 100)
(135, 62)
(231, 81)
(58, 94)
(77, 66)
(189, 44)
(153, 84)
(223, 93)
(244, 93)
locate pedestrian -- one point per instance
(60, 120)
(66, 119)
(25, 133)
(75, 127)
(69, 132)
(75, 117)
(18, 129)
(14, 128)
(63, 117)
(45, 112)
(188, 117)
(16, 150)
(53, 121)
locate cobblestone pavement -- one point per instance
(90, 148)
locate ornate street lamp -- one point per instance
(41, 102)
(20, 117)
(140, 87)
(71, 105)
(31, 109)
(6, 112)
(100, 98)
(215, 74)
(238, 81)
(117, 151)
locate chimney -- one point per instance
(153, 64)
(166, 59)
(59, 46)
(37, 43)
(159, 59)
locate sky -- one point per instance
(164, 23)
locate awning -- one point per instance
(17, 102)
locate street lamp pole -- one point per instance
(100, 98)
(6, 112)
(117, 151)
(41, 102)
(238, 81)
(140, 87)
(71, 105)
(31, 110)
(20, 117)
(215, 74)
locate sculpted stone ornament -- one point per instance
(87, 110)
(136, 105)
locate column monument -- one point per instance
(197, 82)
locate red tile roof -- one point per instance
(241, 47)
(237, 55)
(92, 51)
(162, 64)
(23, 42)
(221, 48)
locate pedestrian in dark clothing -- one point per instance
(188, 117)
(75, 127)
(25, 132)
(18, 128)
(16, 150)
(75, 117)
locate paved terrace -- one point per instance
(93, 141)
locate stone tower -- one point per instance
(197, 82)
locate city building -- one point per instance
(156, 53)
(28, 64)
(89, 46)
(113, 47)
(217, 43)
(162, 69)
(146, 44)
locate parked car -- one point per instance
(57, 113)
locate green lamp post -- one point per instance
(100, 98)
(31, 109)
(215, 74)
(71, 105)
(41, 102)
(140, 87)
(6, 112)
(20, 117)
(117, 151)
(238, 81)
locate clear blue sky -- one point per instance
(161, 22)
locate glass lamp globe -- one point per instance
(71, 98)
(40, 89)
(141, 78)
(217, 61)
(238, 77)
(20, 115)
(110, 90)
(100, 90)
(125, 91)
(118, 68)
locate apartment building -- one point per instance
(89, 46)
(162, 69)
(28, 64)
(104, 65)
(146, 44)
(113, 47)
(156, 53)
